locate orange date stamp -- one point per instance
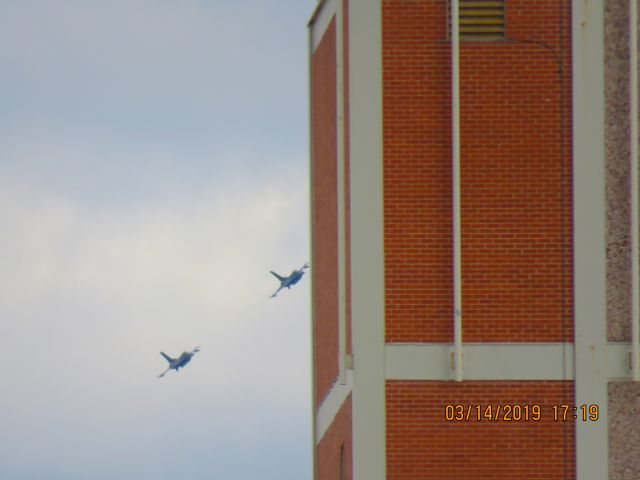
(515, 412)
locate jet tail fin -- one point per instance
(276, 275)
(167, 357)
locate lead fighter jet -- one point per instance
(292, 279)
(177, 363)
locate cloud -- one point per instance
(204, 248)
(152, 171)
(90, 292)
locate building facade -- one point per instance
(472, 318)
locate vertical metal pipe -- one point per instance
(457, 244)
(342, 271)
(635, 294)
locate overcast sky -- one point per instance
(153, 169)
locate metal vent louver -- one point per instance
(481, 19)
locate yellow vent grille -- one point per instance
(481, 19)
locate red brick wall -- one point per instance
(422, 445)
(516, 176)
(325, 213)
(328, 450)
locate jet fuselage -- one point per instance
(292, 279)
(182, 360)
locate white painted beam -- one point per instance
(367, 252)
(484, 361)
(590, 289)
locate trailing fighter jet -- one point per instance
(292, 279)
(177, 363)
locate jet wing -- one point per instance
(164, 373)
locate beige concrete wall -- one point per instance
(624, 396)
(624, 431)
(617, 149)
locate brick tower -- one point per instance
(472, 240)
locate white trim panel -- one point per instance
(367, 231)
(331, 405)
(499, 361)
(482, 361)
(312, 328)
(320, 21)
(590, 275)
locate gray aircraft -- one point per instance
(177, 363)
(292, 279)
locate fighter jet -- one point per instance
(292, 279)
(177, 363)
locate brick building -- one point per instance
(473, 240)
